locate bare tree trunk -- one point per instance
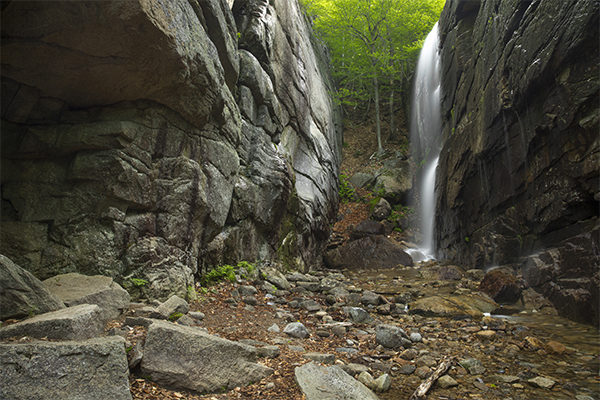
(377, 115)
(392, 136)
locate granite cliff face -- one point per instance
(157, 139)
(518, 178)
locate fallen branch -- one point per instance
(424, 387)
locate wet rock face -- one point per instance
(519, 165)
(139, 142)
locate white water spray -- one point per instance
(426, 132)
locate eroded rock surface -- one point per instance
(95, 369)
(520, 129)
(190, 358)
(136, 137)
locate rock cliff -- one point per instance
(518, 177)
(155, 139)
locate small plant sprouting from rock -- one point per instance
(138, 282)
(175, 316)
(346, 189)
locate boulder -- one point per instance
(320, 383)
(381, 211)
(501, 287)
(361, 179)
(371, 252)
(186, 357)
(73, 323)
(172, 305)
(391, 337)
(396, 179)
(74, 289)
(448, 306)
(93, 369)
(275, 277)
(22, 293)
(367, 227)
(297, 330)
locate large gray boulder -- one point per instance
(330, 383)
(72, 323)
(92, 370)
(370, 252)
(74, 289)
(190, 358)
(22, 294)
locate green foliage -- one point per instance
(467, 239)
(31, 311)
(218, 274)
(346, 189)
(372, 40)
(398, 212)
(138, 282)
(225, 272)
(175, 316)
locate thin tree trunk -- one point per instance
(377, 115)
(392, 136)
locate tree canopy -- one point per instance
(374, 45)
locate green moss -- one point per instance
(175, 316)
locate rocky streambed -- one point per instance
(270, 336)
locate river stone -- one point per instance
(446, 382)
(93, 369)
(370, 252)
(391, 337)
(541, 382)
(172, 352)
(359, 315)
(275, 277)
(382, 384)
(330, 383)
(367, 379)
(407, 369)
(22, 293)
(174, 304)
(297, 330)
(370, 298)
(72, 323)
(74, 289)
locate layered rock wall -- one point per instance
(157, 139)
(518, 170)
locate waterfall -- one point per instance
(426, 133)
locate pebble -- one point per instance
(367, 379)
(541, 382)
(338, 330)
(297, 330)
(322, 333)
(407, 369)
(416, 337)
(382, 384)
(273, 328)
(446, 382)
(486, 335)
(319, 357)
(346, 350)
(423, 372)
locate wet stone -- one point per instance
(446, 382)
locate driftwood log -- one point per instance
(424, 387)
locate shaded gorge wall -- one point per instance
(518, 182)
(158, 139)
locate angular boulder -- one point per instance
(501, 287)
(367, 227)
(73, 323)
(189, 358)
(329, 383)
(447, 306)
(371, 252)
(22, 294)
(275, 277)
(94, 369)
(74, 289)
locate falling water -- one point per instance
(426, 128)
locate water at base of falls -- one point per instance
(426, 132)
